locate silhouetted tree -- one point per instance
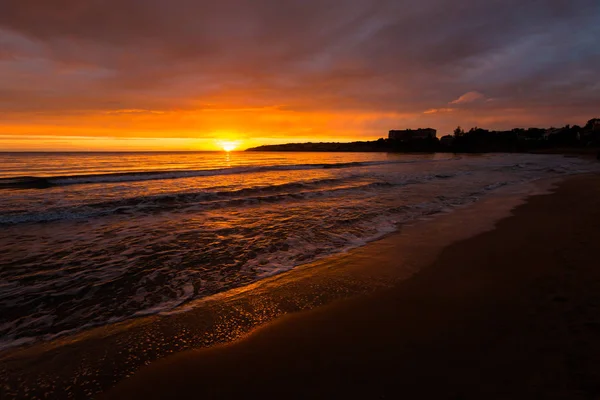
(458, 132)
(592, 123)
(476, 140)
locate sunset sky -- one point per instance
(186, 74)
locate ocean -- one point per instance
(89, 239)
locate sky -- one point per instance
(190, 74)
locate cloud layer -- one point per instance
(294, 67)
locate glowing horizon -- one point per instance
(194, 131)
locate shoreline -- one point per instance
(507, 313)
(229, 316)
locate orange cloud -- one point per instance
(438, 110)
(468, 97)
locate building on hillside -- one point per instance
(447, 140)
(412, 134)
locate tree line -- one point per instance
(475, 140)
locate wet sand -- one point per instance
(510, 313)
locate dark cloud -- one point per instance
(531, 57)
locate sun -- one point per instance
(228, 145)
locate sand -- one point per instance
(511, 313)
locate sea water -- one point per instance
(88, 239)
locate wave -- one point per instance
(25, 182)
(205, 200)
(178, 290)
(35, 182)
(197, 200)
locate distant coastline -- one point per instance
(380, 145)
(477, 140)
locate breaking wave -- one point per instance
(35, 182)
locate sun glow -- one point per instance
(228, 145)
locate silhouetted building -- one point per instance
(412, 134)
(447, 140)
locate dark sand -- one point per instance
(512, 313)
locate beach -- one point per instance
(299, 199)
(511, 312)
